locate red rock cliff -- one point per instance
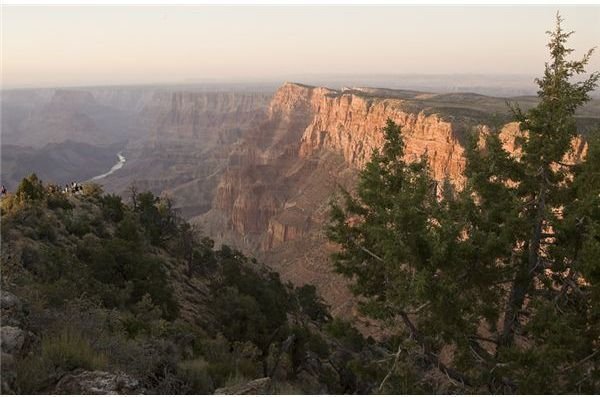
(274, 195)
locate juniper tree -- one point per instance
(503, 271)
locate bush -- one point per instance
(196, 376)
(112, 207)
(311, 303)
(227, 360)
(61, 353)
(92, 190)
(69, 350)
(58, 200)
(8, 204)
(78, 225)
(346, 333)
(30, 189)
(46, 231)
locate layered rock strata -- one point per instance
(272, 198)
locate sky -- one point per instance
(98, 45)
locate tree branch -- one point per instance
(431, 357)
(578, 363)
(393, 367)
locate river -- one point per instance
(115, 167)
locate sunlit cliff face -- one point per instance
(274, 193)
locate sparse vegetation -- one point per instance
(487, 287)
(109, 286)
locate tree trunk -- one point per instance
(526, 273)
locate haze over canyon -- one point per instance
(253, 166)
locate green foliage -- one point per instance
(306, 341)
(57, 200)
(69, 350)
(125, 274)
(92, 190)
(30, 189)
(124, 262)
(112, 207)
(249, 307)
(345, 333)
(311, 304)
(157, 216)
(227, 360)
(196, 375)
(79, 225)
(63, 352)
(514, 254)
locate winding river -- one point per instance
(115, 167)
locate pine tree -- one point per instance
(504, 271)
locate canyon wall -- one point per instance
(187, 141)
(182, 115)
(272, 199)
(255, 169)
(352, 125)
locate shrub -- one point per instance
(226, 361)
(58, 200)
(318, 345)
(30, 189)
(196, 376)
(66, 351)
(8, 204)
(69, 350)
(78, 225)
(92, 190)
(127, 229)
(33, 375)
(46, 231)
(112, 207)
(311, 303)
(286, 388)
(346, 333)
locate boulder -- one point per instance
(257, 386)
(12, 339)
(11, 308)
(97, 382)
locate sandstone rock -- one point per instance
(272, 200)
(291, 224)
(13, 339)
(352, 125)
(257, 386)
(11, 309)
(205, 115)
(97, 382)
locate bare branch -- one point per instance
(393, 367)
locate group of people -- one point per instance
(73, 187)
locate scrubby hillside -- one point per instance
(99, 295)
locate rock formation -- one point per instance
(253, 168)
(273, 196)
(97, 382)
(256, 386)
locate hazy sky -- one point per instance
(85, 45)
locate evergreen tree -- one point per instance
(30, 189)
(503, 271)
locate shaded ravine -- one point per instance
(114, 168)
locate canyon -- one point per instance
(250, 167)
(273, 196)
